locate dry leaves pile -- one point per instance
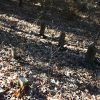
(32, 68)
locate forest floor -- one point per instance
(33, 68)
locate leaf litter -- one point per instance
(27, 74)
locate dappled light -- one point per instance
(49, 50)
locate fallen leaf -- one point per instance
(17, 93)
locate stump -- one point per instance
(90, 54)
(61, 41)
(42, 29)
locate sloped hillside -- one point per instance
(33, 68)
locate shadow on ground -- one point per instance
(42, 51)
